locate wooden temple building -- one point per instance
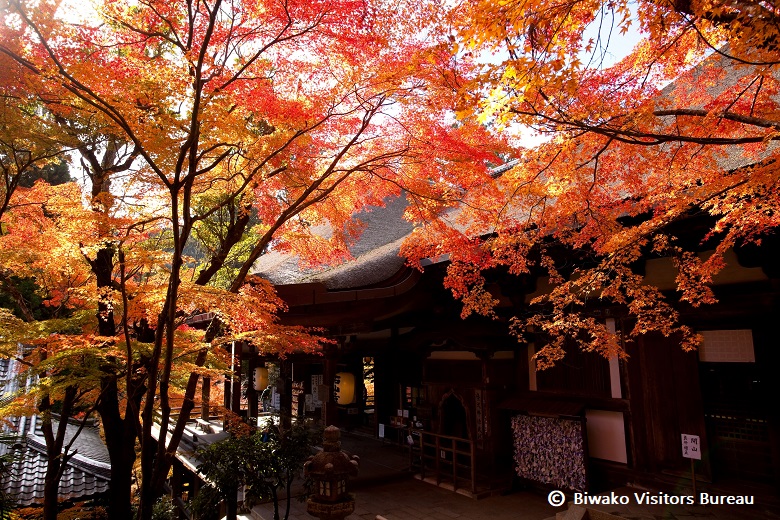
(464, 397)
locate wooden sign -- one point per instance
(691, 446)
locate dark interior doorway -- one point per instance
(736, 406)
(453, 417)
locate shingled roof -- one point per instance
(87, 473)
(376, 253)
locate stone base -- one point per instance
(330, 511)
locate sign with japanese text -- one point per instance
(316, 382)
(691, 446)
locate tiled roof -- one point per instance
(27, 477)
(87, 473)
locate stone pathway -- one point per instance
(386, 488)
(415, 500)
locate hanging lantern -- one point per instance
(344, 388)
(260, 379)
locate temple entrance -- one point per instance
(448, 457)
(736, 412)
(453, 417)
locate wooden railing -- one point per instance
(447, 457)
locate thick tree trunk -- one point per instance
(288, 490)
(120, 438)
(120, 433)
(51, 489)
(163, 464)
(275, 498)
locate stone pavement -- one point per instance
(385, 487)
(412, 499)
(634, 511)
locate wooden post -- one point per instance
(235, 404)
(473, 467)
(693, 478)
(330, 410)
(228, 390)
(229, 377)
(438, 461)
(251, 393)
(205, 398)
(285, 391)
(454, 464)
(422, 455)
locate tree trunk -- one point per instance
(288, 489)
(162, 465)
(275, 498)
(231, 501)
(120, 433)
(148, 493)
(51, 489)
(55, 441)
(156, 460)
(120, 438)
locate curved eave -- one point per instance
(303, 294)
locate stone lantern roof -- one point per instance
(331, 462)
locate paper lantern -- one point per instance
(344, 388)
(260, 379)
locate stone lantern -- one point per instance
(330, 471)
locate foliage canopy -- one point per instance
(244, 124)
(684, 127)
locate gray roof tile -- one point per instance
(87, 473)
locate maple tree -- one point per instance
(247, 124)
(684, 126)
(31, 149)
(26, 147)
(52, 352)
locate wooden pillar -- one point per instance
(229, 379)
(285, 393)
(251, 393)
(330, 411)
(233, 383)
(205, 398)
(383, 391)
(228, 391)
(235, 404)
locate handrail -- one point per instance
(445, 447)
